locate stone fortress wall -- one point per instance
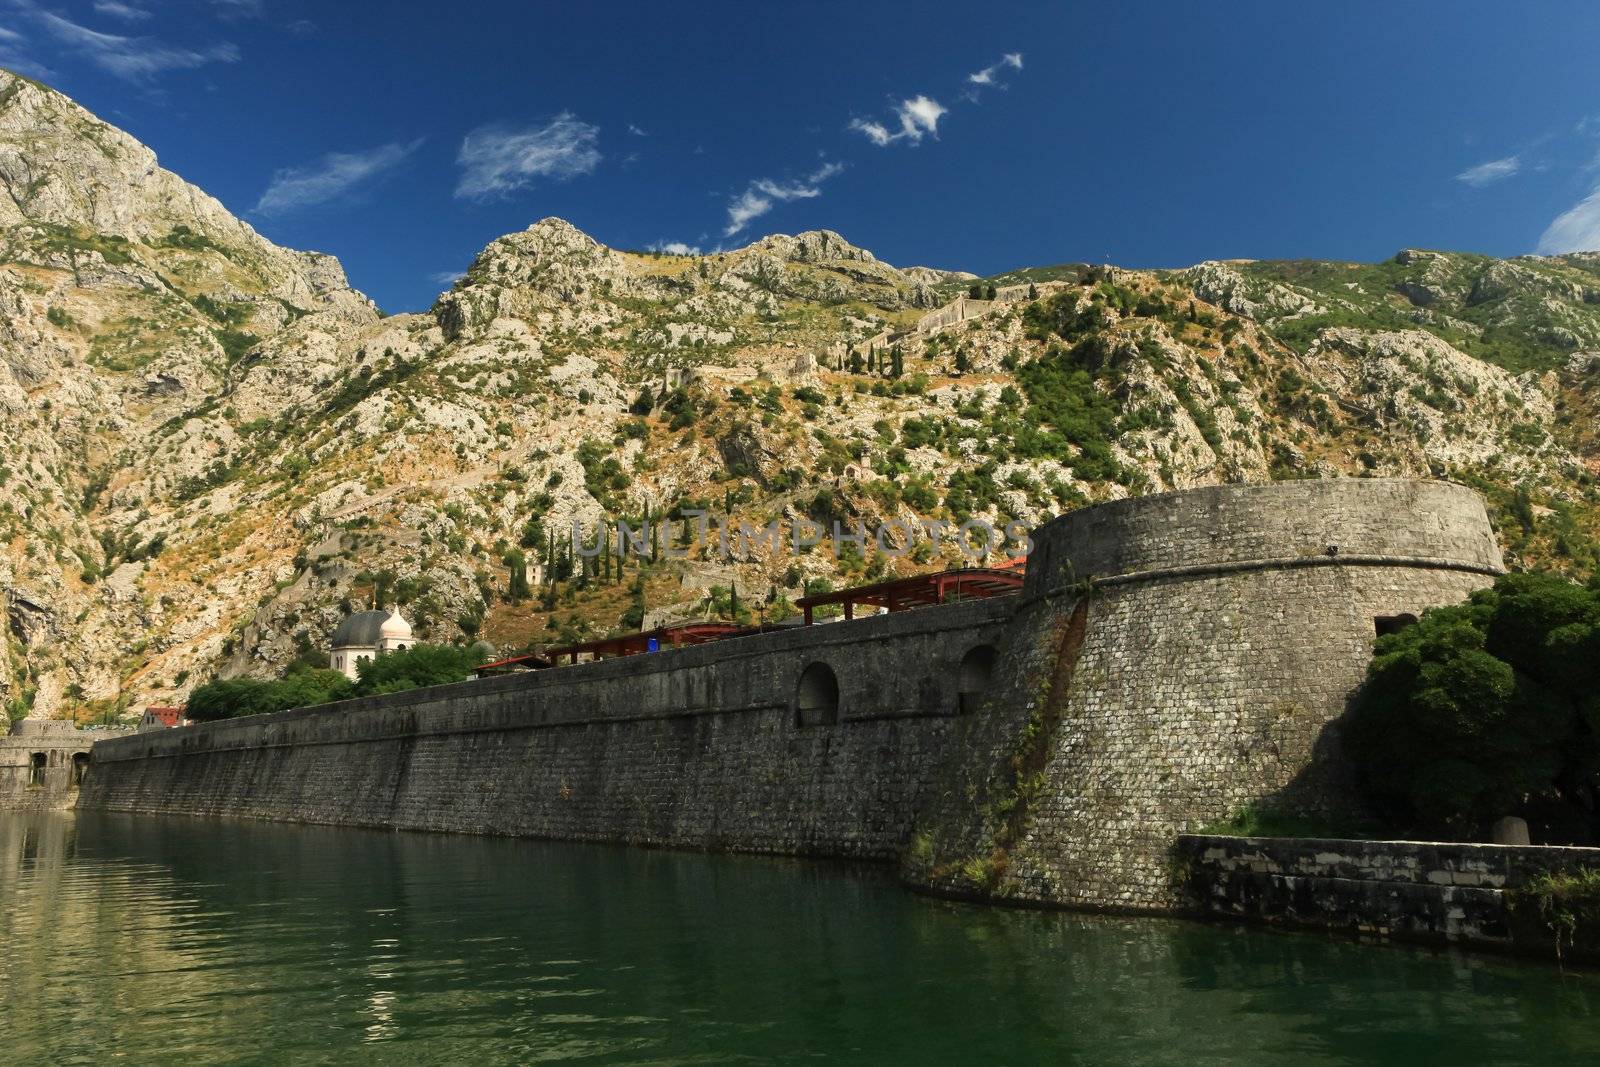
(1175, 658)
(1170, 659)
(716, 746)
(43, 761)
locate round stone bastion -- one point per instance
(1343, 521)
(1176, 660)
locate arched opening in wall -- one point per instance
(974, 677)
(816, 697)
(36, 765)
(80, 767)
(1392, 624)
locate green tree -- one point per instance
(1486, 709)
(517, 585)
(415, 667)
(227, 698)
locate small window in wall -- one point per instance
(817, 696)
(974, 677)
(36, 766)
(1392, 624)
(80, 767)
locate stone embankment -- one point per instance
(1472, 895)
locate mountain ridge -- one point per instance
(213, 447)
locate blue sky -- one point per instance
(402, 137)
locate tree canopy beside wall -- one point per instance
(1486, 709)
(393, 672)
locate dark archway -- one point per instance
(974, 677)
(80, 767)
(36, 765)
(816, 696)
(1392, 624)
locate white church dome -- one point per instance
(395, 627)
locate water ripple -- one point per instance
(208, 941)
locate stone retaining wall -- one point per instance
(1437, 892)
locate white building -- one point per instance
(365, 635)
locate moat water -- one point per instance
(198, 941)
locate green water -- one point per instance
(197, 941)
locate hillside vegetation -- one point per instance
(213, 448)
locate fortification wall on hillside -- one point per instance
(1177, 658)
(700, 747)
(956, 312)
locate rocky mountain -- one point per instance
(213, 447)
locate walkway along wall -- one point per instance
(1171, 658)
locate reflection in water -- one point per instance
(205, 940)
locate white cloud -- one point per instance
(759, 197)
(636, 131)
(1488, 173)
(918, 118)
(986, 76)
(674, 248)
(132, 58)
(240, 9)
(447, 277)
(13, 57)
(330, 177)
(1576, 229)
(118, 10)
(497, 160)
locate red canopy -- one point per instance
(921, 590)
(528, 662)
(693, 633)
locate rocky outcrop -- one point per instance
(211, 448)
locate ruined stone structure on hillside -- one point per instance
(1170, 659)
